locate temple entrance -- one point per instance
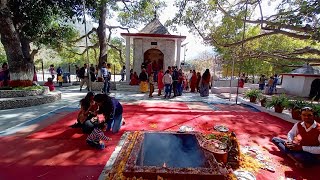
(155, 57)
(315, 89)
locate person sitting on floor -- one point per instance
(50, 84)
(112, 111)
(303, 141)
(87, 112)
(95, 139)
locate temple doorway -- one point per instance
(155, 57)
(315, 90)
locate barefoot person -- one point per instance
(303, 141)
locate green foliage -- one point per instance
(263, 98)
(57, 35)
(29, 88)
(3, 57)
(316, 109)
(252, 93)
(222, 27)
(297, 104)
(281, 100)
(140, 12)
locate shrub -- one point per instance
(253, 93)
(297, 104)
(281, 100)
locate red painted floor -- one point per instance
(59, 152)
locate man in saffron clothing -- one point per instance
(303, 141)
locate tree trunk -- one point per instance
(101, 31)
(25, 46)
(21, 70)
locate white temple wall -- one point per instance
(141, 45)
(294, 85)
(169, 55)
(137, 58)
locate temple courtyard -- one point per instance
(37, 142)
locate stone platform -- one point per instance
(11, 99)
(22, 93)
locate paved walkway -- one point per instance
(14, 117)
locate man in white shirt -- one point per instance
(167, 81)
(303, 141)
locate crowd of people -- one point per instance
(270, 84)
(173, 80)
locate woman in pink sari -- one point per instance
(160, 83)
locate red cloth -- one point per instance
(50, 85)
(241, 83)
(193, 83)
(35, 78)
(59, 152)
(160, 83)
(134, 80)
(309, 138)
(149, 69)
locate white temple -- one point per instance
(153, 44)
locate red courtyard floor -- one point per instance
(52, 150)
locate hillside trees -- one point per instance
(130, 14)
(223, 27)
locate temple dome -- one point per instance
(155, 27)
(306, 69)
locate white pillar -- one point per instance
(128, 59)
(178, 53)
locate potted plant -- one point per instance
(316, 108)
(278, 102)
(295, 107)
(252, 94)
(263, 101)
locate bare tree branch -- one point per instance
(85, 50)
(125, 4)
(307, 50)
(86, 35)
(306, 29)
(119, 50)
(118, 27)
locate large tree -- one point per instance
(23, 22)
(130, 14)
(225, 22)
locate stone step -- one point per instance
(19, 102)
